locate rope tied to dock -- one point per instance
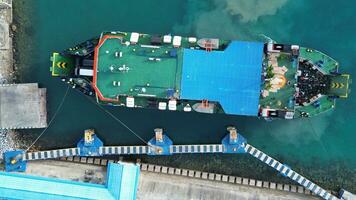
(54, 116)
(118, 120)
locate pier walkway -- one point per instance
(161, 182)
(232, 143)
(22, 106)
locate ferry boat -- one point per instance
(206, 75)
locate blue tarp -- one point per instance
(122, 182)
(231, 77)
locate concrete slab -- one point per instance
(90, 160)
(22, 106)
(280, 186)
(161, 186)
(238, 180)
(191, 173)
(293, 188)
(158, 168)
(178, 172)
(4, 35)
(164, 170)
(6, 50)
(300, 189)
(204, 175)
(252, 182)
(144, 167)
(104, 162)
(265, 184)
(170, 170)
(150, 168)
(197, 174)
(286, 187)
(67, 170)
(232, 179)
(76, 159)
(245, 181)
(259, 183)
(97, 161)
(218, 177)
(211, 176)
(224, 178)
(184, 172)
(272, 185)
(83, 160)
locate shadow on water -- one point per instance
(322, 147)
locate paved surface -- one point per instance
(22, 106)
(163, 186)
(68, 171)
(154, 186)
(6, 69)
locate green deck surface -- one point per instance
(143, 77)
(340, 85)
(280, 99)
(314, 56)
(325, 105)
(61, 65)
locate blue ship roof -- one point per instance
(231, 77)
(122, 182)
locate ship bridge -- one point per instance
(231, 77)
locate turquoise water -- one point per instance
(322, 148)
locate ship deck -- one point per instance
(134, 74)
(283, 97)
(230, 76)
(325, 62)
(61, 65)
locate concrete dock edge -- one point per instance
(199, 175)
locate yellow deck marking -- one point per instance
(347, 85)
(53, 64)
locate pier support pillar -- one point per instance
(90, 144)
(14, 161)
(233, 142)
(160, 144)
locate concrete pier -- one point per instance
(6, 50)
(163, 186)
(160, 183)
(22, 106)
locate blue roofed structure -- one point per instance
(122, 182)
(231, 77)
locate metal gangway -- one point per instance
(161, 144)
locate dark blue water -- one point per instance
(322, 147)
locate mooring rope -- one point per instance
(50, 122)
(116, 119)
